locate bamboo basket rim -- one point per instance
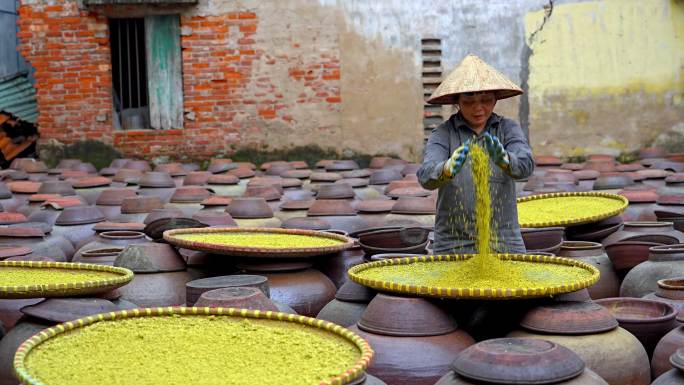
(471, 292)
(64, 289)
(580, 219)
(353, 373)
(170, 236)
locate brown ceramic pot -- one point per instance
(412, 240)
(668, 345)
(593, 253)
(237, 297)
(194, 289)
(671, 291)
(414, 340)
(663, 262)
(109, 239)
(295, 284)
(648, 320)
(544, 239)
(349, 304)
(624, 255)
(335, 266)
(658, 232)
(592, 333)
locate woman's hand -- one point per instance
(496, 151)
(454, 164)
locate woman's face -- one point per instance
(476, 108)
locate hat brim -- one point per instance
(453, 98)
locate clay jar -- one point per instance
(411, 240)
(76, 223)
(109, 201)
(160, 275)
(349, 304)
(591, 331)
(237, 297)
(519, 361)
(544, 239)
(42, 315)
(676, 375)
(335, 266)
(642, 205)
(414, 340)
(252, 212)
(663, 262)
(413, 210)
(295, 284)
(159, 184)
(658, 232)
(670, 290)
(593, 253)
(648, 320)
(666, 347)
(38, 238)
(374, 211)
(339, 213)
(110, 239)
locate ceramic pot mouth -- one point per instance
(105, 252)
(580, 245)
(671, 283)
(648, 224)
(122, 234)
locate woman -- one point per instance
(475, 87)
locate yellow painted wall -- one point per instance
(605, 76)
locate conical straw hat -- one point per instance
(473, 75)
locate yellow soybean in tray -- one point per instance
(569, 209)
(260, 240)
(196, 350)
(25, 276)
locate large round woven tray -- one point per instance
(54, 333)
(171, 236)
(423, 289)
(120, 277)
(573, 216)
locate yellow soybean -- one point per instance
(19, 276)
(261, 240)
(192, 350)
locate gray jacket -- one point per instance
(455, 222)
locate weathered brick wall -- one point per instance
(236, 93)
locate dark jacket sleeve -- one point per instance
(518, 149)
(436, 153)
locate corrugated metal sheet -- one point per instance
(18, 97)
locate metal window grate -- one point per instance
(129, 71)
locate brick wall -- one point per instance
(236, 92)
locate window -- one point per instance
(146, 72)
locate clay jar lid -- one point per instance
(266, 192)
(218, 165)
(214, 218)
(384, 176)
(249, 208)
(41, 197)
(547, 160)
(335, 191)
(140, 165)
(629, 167)
(79, 215)
(572, 166)
(141, 204)
(194, 289)
(216, 200)
(324, 177)
(108, 171)
(236, 297)
(299, 164)
(278, 169)
(114, 196)
(586, 174)
(571, 318)
(68, 309)
(56, 187)
(34, 167)
(297, 204)
(639, 196)
(173, 169)
(24, 187)
(305, 223)
(86, 167)
(11, 218)
(405, 316)
(242, 172)
(518, 361)
(8, 251)
(341, 165)
(298, 174)
(360, 173)
(197, 178)
(331, 207)
(267, 165)
(223, 179)
(164, 213)
(90, 182)
(677, 177)
(415, 191)
(190, 194)
(61, 203)
(128, 176)
(351, 291)
(414, 206)
(375, 206)
(156, 179)
(150, 258)
(612, 180)
(353, 182)
(118, 162)
(395, 184)
(72, 175)
(654, 173)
